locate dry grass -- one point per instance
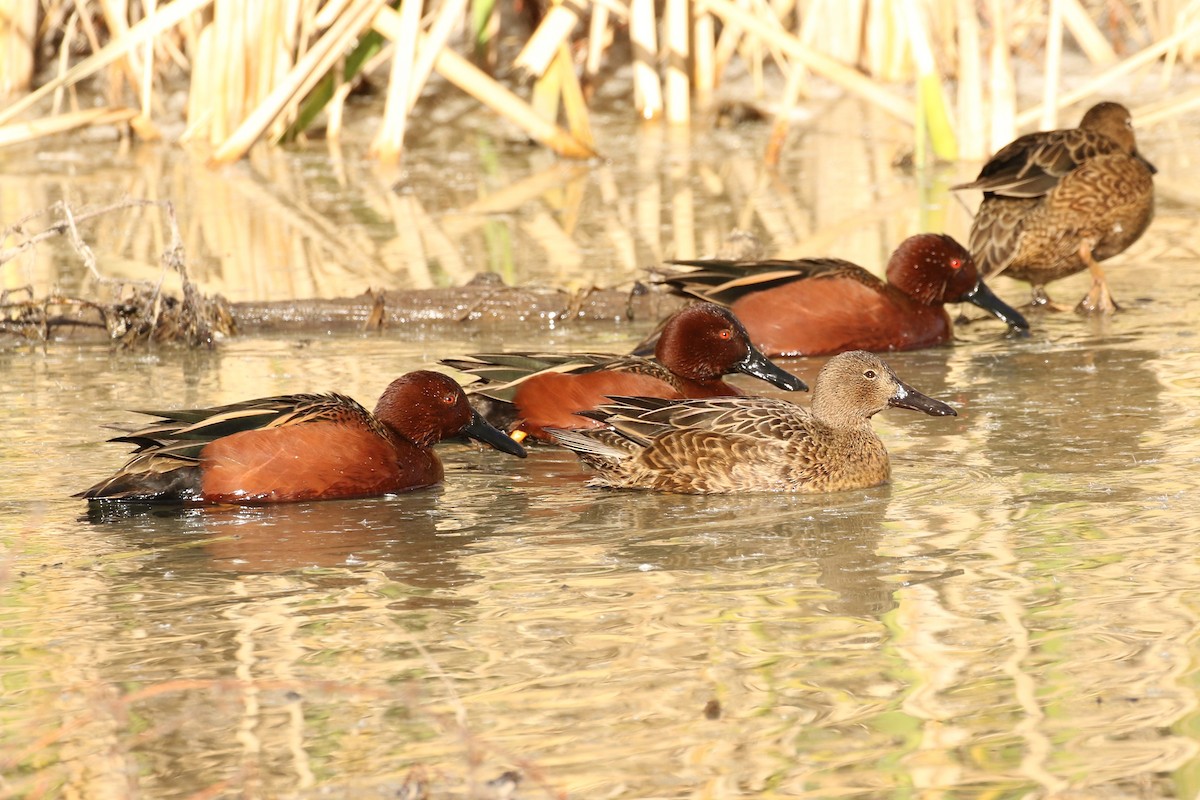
(134, 312)
(252, 72)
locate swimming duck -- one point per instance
(752, 444)
(820, 306)
(298, 447)
(525, 393)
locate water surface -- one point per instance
(1015, 615)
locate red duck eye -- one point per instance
(449, 399)
(956, 263)
(726, 334)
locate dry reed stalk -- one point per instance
(727, 44)
(1003, 92)
(535, 57)
(311, 67)
(229, 101)
(574, 105)
(389, 141)
(678, 85)
(1099, 82)
(18, 26)
(1051, 74)
(884, 51)
(449, 16)
(704, 76)
(1091, 41)
(64, 63)
(200, 113)
(147, 90)
(972, 143)
(145, 29)
(1173, 106)
(844, 76)
(115, 13)
(750, 48)
(598, 40)
(792, 93)
(486, 90)
(21, 132)
(547, 91)
(643, 36)
(932, 112)
(838, 28)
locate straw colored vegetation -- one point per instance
(271, 70)
(138, 312)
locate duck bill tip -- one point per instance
(910, 398)
(985, 298)
(481, 430)
(759, 366)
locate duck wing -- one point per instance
(1033, 164)
(642, 419)
(724, 282)
(183, 433)
(498, 376)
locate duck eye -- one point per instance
(726, 334)
(869, 374)
(449, 399)
(956, 263)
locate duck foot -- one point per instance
(1098, 301)
(1041, 300)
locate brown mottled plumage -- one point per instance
(753, 444)
(1058, 202)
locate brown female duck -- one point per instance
(753, 444)
(1058, 202)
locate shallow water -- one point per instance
(1015, 615)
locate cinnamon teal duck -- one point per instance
(298, 447)
(525, 393)
(1058, 202)
(820, 306)
(752, 444)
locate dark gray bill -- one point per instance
(482, 430)
(908, 397)
(761, 367)
(983, 297)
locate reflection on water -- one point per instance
(1015, 615)
(303, 224)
